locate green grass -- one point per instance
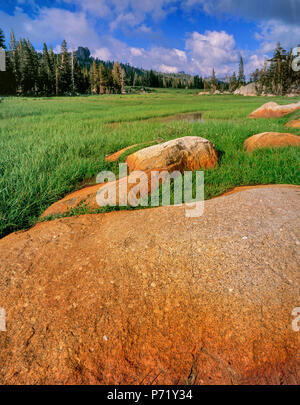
(49, 145)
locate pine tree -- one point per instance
(103, 79)
(46, 73)
(233, 83)
(213, 81)
(110, 81)
(93, 78)
(241, 76)
(52, 69)
(15, 60)
(117, 77)
(29, 68)
(123, 79)
(72, 71)
(65, 75)
(57, 91)
(80, 78)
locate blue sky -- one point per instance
(166, 35)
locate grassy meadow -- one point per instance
(49, 146)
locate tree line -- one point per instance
(29, 72)
(46, 73)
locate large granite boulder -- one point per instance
(154, 297)
(187, 153)
(248, 90)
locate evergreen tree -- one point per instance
(56, 64)
(64, 72)
(241, 76)
(52, 69)
(15, 60)
(103, 79)
(233, 83)
(81, 82)
(72, 71)
(45, 73)
(117, 77)
(110, 82)
(29, 68)
(94, 78)
(213, 81)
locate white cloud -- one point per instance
(274, 31)
(51, 25)
(210, 50)
(168, 69)
(180, 54)
(103, 54)
(136, 51)
(143, 28)
(126, 12)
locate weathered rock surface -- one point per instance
(271, 140)
(294, 124)
(74, 200)
(273, 110)
(153, 297)
(187, 153)
(248, 90)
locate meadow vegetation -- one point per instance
(49, 146)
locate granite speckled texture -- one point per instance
(150, 296)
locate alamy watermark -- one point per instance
(296, 60)
(296, 320)
(2, 60)
(2, 320)
(140, 188)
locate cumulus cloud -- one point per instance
(210, 50)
